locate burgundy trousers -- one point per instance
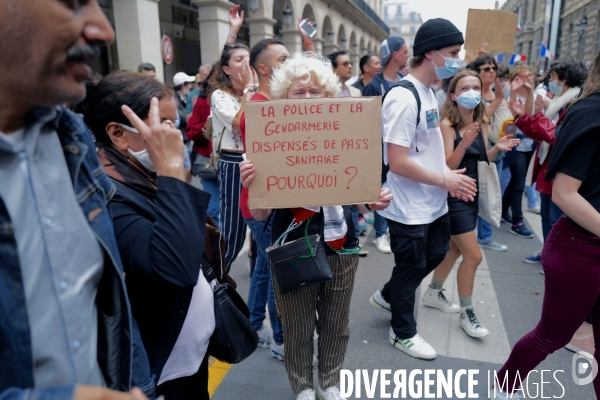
(571, 261)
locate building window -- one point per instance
(412, 29)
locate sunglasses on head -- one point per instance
(488, 69)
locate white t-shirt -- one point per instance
(223, 109)
(414, 203)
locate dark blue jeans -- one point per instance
(261, 285)
(549, 212)
(513, 197)
(212, 186)
(380, 225)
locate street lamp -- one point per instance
(287, 16)
(330, 36)
(344, 42)
(581, 26)
(253, 5)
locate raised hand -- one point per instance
(516, 108)
(470, 134)
(499, 92)
(539, 104)
(236, 19)
(507, 143)
(483, 49)
(163, 141)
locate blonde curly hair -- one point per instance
(309, 67)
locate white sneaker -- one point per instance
(414, 347)
(382, 244)
(436, 299)
(264, 336)
(535, 210)
(277, 350)
(378, 302)
(333, 393)
(470, 324)
(503, 395)
(308, 394)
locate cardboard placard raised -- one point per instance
(497, 28)
(314, 152)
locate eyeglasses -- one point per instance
(347, 63)
(488, 69)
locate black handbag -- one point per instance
(234, 337)
(202, 167)
(301, 262)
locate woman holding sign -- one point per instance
(464, 130)
(325, 306)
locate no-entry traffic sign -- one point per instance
(167, 49)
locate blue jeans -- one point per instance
(212, 186)
(380, 225)
(533, 196)
(261, 285)
(355, 220)
(549, 212)
(484, 228)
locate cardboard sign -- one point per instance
(497, 28)
(314, 152)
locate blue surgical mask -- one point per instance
(450, 68)
(469, 100)
(555, 88)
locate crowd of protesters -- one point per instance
(105, 241)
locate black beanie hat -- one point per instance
(435, 34)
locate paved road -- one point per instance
(508, 299)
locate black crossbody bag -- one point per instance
(301, 262)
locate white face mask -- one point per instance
(142, 156)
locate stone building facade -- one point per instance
(578, 29)
(402, 20)
(198, 29)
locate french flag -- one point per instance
(517, 58)
(500, 58)
(519, 27)
(544, 52)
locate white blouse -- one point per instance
(223, 108)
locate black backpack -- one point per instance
(407, 85)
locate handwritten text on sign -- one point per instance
(314, 152)
(497, 28)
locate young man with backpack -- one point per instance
(419, 180)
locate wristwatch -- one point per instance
(248, 90)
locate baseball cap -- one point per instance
(388, 46)
(181, 77)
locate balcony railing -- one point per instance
(368, 11)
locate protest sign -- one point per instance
(314, 152)
(497, 28)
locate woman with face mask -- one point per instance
(159, 222)
(464, 131)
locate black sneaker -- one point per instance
(521, 230)
(506, 218)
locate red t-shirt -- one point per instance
(244, 194)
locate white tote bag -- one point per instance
(490, 196)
